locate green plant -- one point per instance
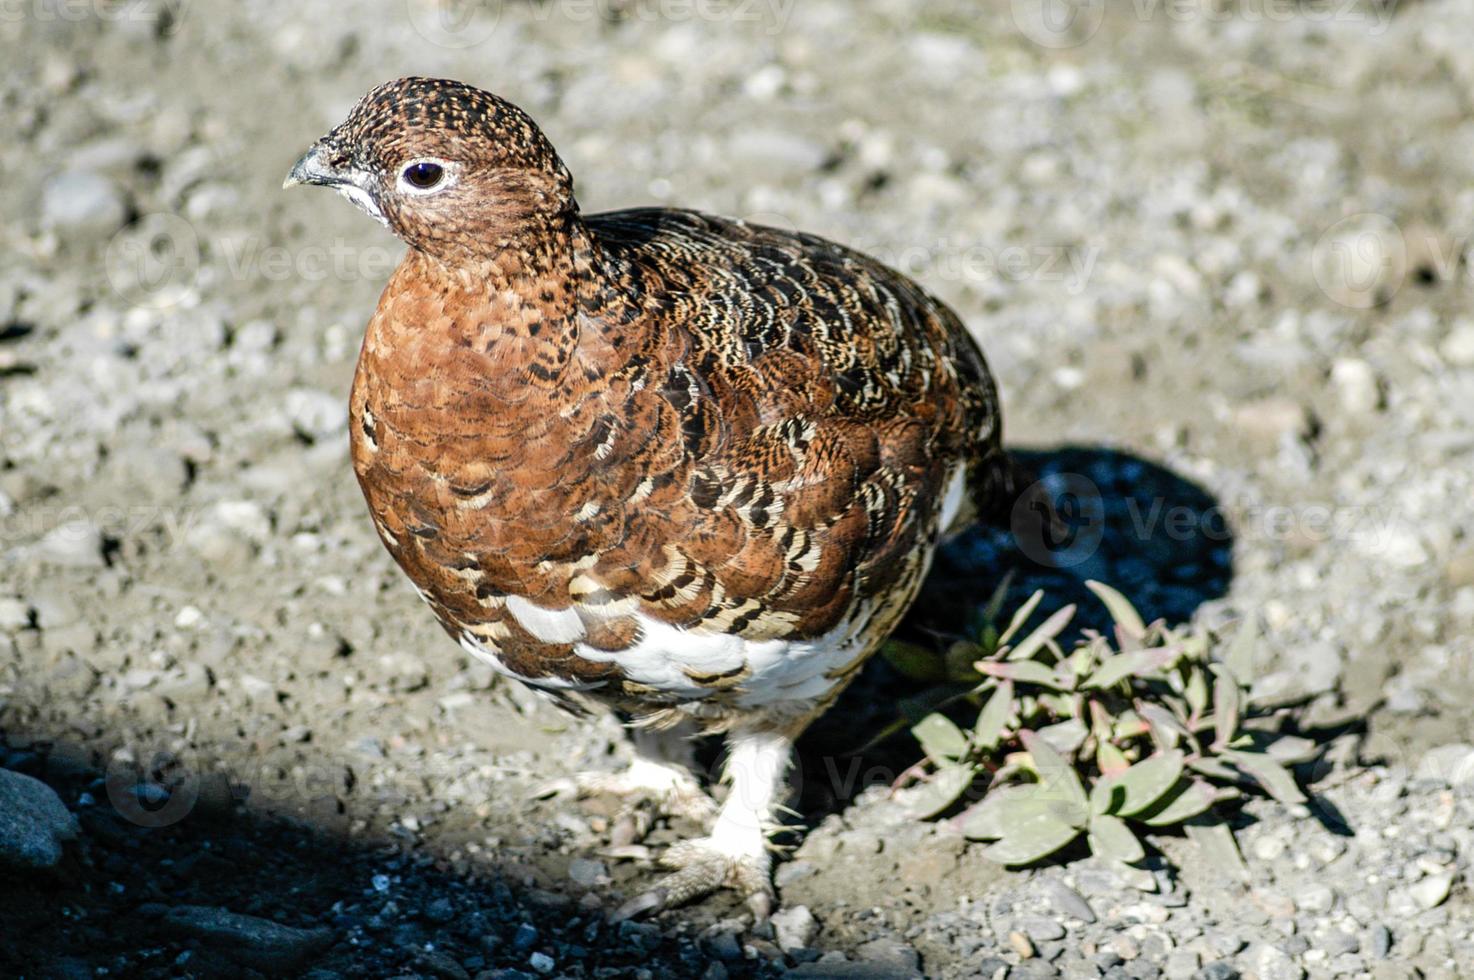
(1115, 737)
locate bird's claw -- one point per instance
(644, 799)
(700, 869)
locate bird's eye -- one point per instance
(423, 175)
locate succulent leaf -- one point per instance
(1147, 782)
(993, 718)
(1047, 631)
(1111, 840)
(1226, 706)
(1026, 671)
(1030, 840)
(944, 788)
(1275, 778)
(1182, 802)
(915, 662)
(1120, 608)
(940, 739)
(1057, 777)
(1240, 657)
(1021, 617)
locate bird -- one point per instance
(681, 467)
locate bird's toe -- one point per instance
(699, 868)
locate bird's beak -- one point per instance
(314, 168)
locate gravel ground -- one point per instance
(1216, 252)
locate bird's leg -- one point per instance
(735, 854)
(660, 781)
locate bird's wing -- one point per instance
(812, 404)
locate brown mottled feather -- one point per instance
(725, 427)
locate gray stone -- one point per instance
(1220, 970)
(1271, 963)
(586, 872)
(255, 942)
(83, 204)
(1180, 965)
(1067, 900)
(1041, 929)
(1452, 764)
(34, 823)
(75, 544)
(890, 953)
(1379, 941)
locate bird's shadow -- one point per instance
(1157, 537)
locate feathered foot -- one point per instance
(735, 854)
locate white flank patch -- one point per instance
(548, 625)
(954, 498)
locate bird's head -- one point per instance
(450, 169)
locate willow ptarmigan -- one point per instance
(683, 466)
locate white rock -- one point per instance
(14, 614)
(1271, 963)
(1432, 890)
(316, 414)
(1315, 897)
(1356, 386)
(795, 927)
(1458, 347)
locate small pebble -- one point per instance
(1432, 890)
(1021, 944)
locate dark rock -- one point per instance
(34, 823)
(256, 942)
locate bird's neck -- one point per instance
(541, 252)
(508, 319)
